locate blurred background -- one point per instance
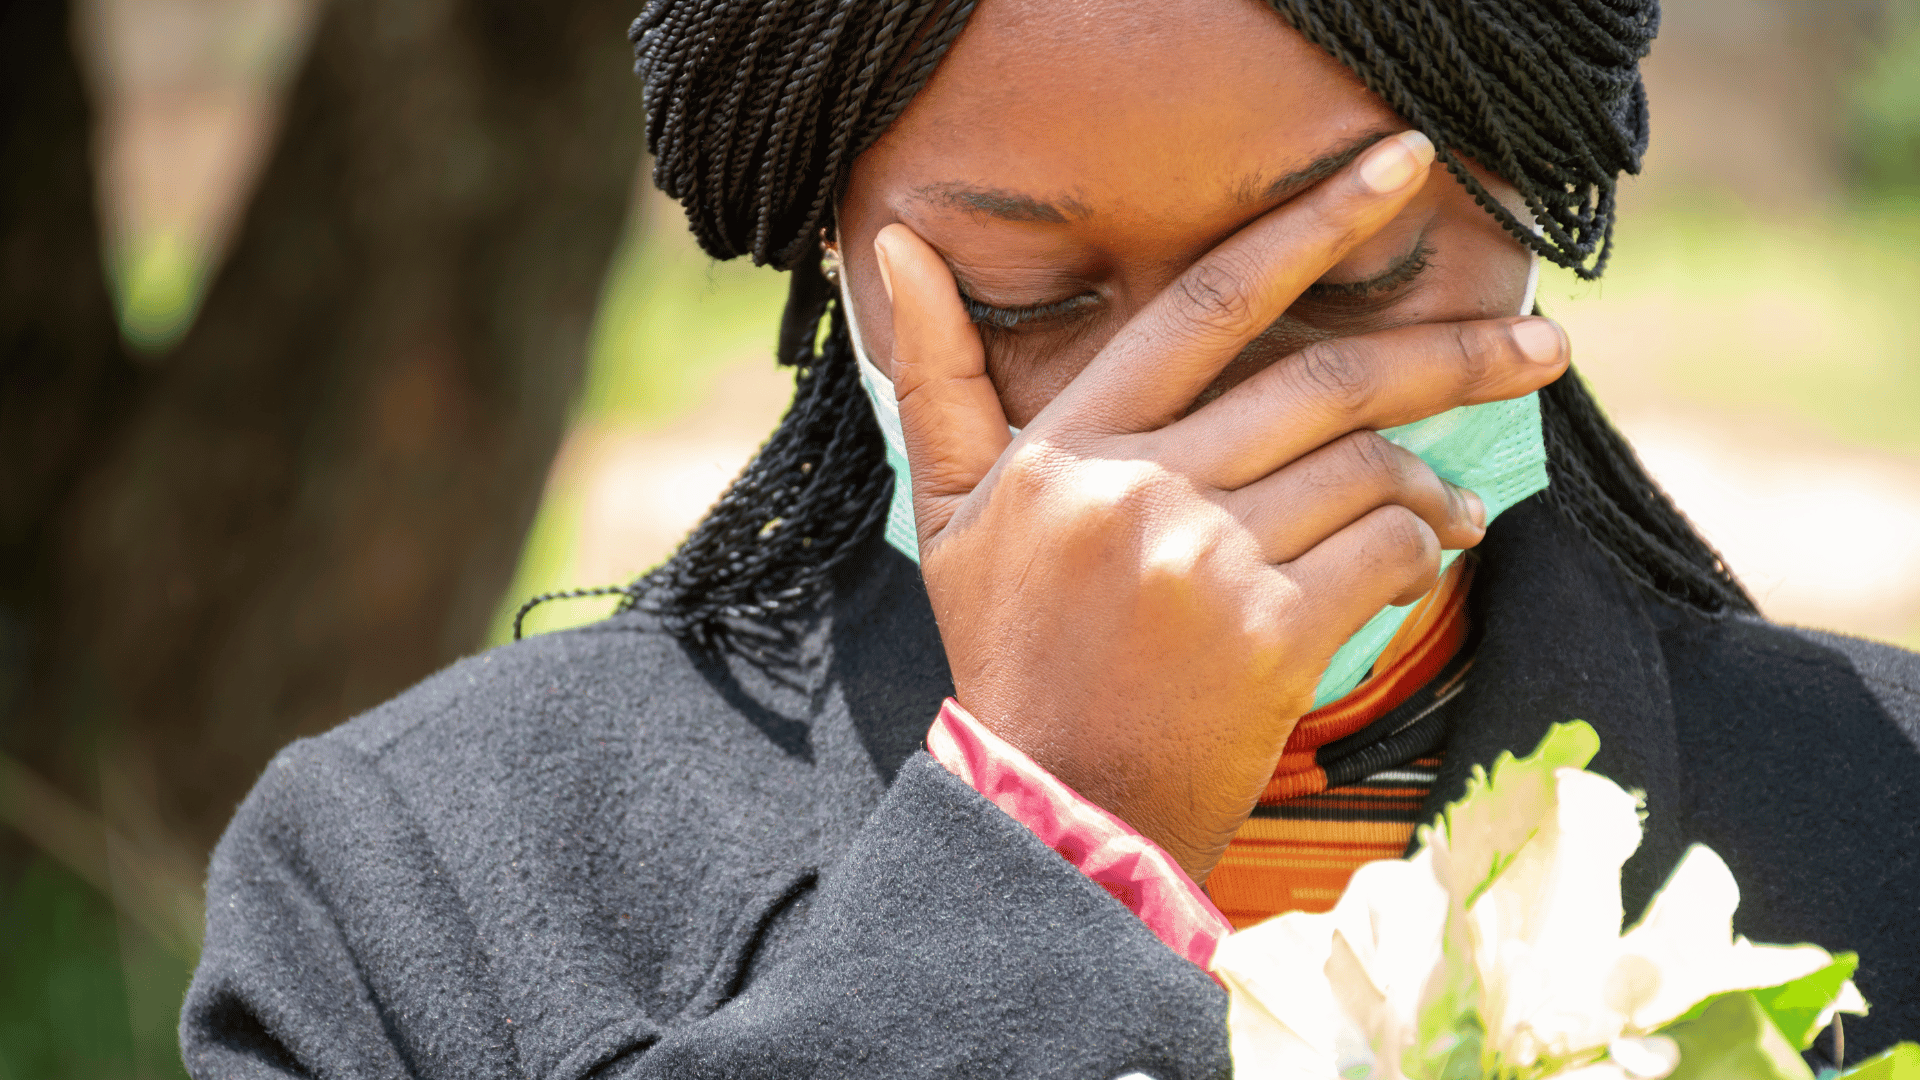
(334, 330)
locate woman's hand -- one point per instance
(1143, 600)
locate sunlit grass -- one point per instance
(1813, 321)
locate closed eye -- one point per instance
(1031, 317)
(1056, 312)
(1390, 280)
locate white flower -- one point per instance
(1497, 948)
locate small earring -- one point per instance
(830, 263)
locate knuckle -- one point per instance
(1108, 493)
(1337, 371)
(1267, 630)
(1477, 350)
(944, 478)
(1214, 297)
(1174, 555)
(1028, 471)
(1404, 538)
(1376, 457)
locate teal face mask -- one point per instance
(1494, 450)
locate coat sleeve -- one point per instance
(331, 950)
(948, 941)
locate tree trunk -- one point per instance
(318, 498)
(66, 385)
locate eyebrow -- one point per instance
(1001, 203)
(1255, 190)
(1019, 206)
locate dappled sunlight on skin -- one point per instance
(1175, 554)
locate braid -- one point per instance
(756, 111)
(1545, 93)
(817, 486)
(758, 108)
(762, 184)
(1601, 488)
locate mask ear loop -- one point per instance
(880, 388)
(833, 268)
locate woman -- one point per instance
(1192, 256)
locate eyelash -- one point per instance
(1013, 319)
(1395, 277)
(1019, 318)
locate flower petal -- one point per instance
(1317, 994)
(1546, 931)
(1686, 940)
(1281, 1016)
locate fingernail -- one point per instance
(1539, 340)
(886, 273)
(1393, 163)
(1476, 509)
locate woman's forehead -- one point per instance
(1049, 111)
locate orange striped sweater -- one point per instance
(1353, 776)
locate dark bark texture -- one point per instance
(319, 496)
(66, 384)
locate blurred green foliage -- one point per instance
(82, 995)
(1885, 102)
(669, 318)
(158, 282)
(1799, 330)
(1808, 321)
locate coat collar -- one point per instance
(1563, 636)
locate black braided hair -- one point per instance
(757, 109)
(1598, 484)
(1545, 93)
(817, 486)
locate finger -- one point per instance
(1167, 354)
(1294, 509)
(950, 416)
(1388, 557)
(1373, 381)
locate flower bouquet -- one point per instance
(1495, 953)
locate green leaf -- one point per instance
(1900, 1063)
(1451, 1045)
(1461, 1061)
(1795, 1007)
(1735, 1039)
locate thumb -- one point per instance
(950, 415)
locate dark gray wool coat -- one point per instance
(594, 854)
